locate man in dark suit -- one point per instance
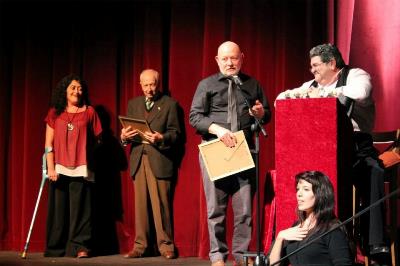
(152, 164)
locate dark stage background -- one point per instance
(110, 42)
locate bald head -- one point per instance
(229, 58)
(149, 73)
(149, 82)
(228, 46)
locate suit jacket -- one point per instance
(162, 118)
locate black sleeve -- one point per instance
(267, 110)
(199, 110)
(338, 246)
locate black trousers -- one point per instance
(369, 181)
(69, 225)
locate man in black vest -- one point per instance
(352, 86)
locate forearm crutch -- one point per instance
(44, 177)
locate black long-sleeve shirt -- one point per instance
(210, 104)
(332, 249)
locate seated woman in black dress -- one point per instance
(315, 210)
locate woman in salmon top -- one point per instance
(72, 132)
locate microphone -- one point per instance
(237, 80)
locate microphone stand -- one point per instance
(376, 203)
(256, 128)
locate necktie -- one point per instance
(232, 112)
(149, 104)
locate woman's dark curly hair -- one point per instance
(59, 97)
(324, 206)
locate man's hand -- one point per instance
(128, 133)
(229, 139)
(153, 137)
(313, 92)
(257, 110)
(225, 135)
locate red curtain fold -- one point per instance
(110, 42)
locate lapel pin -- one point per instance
(159, 108)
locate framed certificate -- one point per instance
(140, 125)
(221, 161)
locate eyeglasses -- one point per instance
(315, 65)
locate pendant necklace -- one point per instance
(70, 126)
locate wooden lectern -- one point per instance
(311, 134)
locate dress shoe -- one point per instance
(133, 254)
(82, 254)
(378, 249)
(168, 254)
(218, 263)
(380, 255)
(376, 263)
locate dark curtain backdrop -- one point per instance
(110, 42)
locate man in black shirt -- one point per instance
(219, 109)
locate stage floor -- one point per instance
(12, 258)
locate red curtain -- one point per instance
(368, 33)
(110, 42)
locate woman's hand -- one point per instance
(53, 176)
(295, 233)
